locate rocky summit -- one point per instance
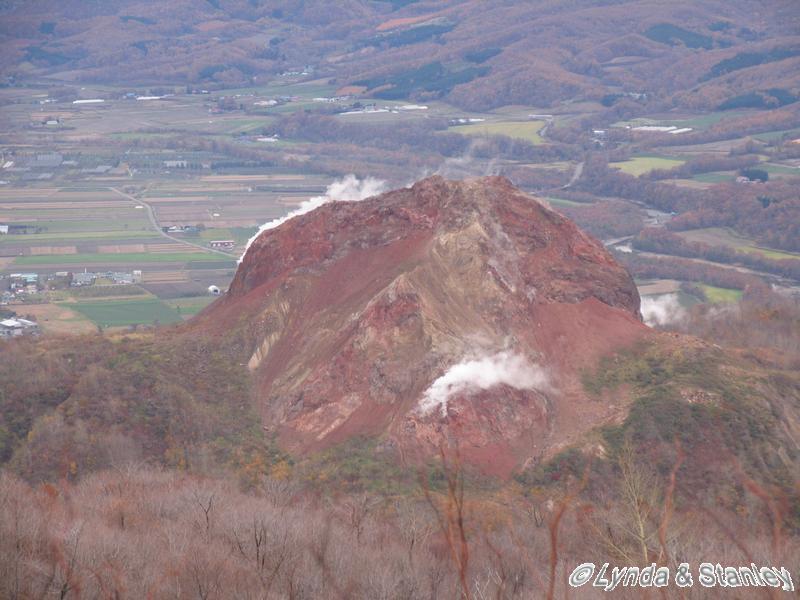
(450, 311)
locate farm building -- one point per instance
(222, 244)
(3, 229)
(125, 278)
(82, 279)
(20, 281)
(10, 328)
(47, 161)
(180, 229)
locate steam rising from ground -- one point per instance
(468, 164)
(662, 310)
(347, 189)
(481, 374)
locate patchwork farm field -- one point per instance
(128, 258)
(88, 225)
(65, 236)
(231, 201)
(134, 168)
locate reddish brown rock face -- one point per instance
(356, 309)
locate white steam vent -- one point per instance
(662, 310)
(503, 368)
(347, 189)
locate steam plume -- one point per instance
(468, 164)
(347, 189)
(481, 374)
(662, 310)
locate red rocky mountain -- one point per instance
(465, 310)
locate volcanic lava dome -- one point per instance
(450, 311)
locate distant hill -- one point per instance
(682, 53)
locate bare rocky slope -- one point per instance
(462, 310)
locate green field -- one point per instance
(306, 89)
(108, 290)
(704, 121)
(695, 122)
(639, 165)
(776, 135)
(775, 254)
(66, 224)
(773, 169)
(78, 235)
(119, 313)
(718, 295)
(238, 125)
(240, 234)
(139, 134)
(715, 177)
(123, 257)
(722, 236)
(190, 306)
(562, 202)
(524, 130)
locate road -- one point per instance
(152, 216)
(618, 240)
(578, 168)
(779, 280)
(575, 175)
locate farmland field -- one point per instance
(776, 135)
(562, 202)
(82, 235)
(76, 223)
(703, 121)
(524, 130)
(657, 287)
(188, 307)
(118, 313)
(157, 175)
(720, 236)
(640, 165)
(718, 295)
(715, 177)
(57, 318)
(774, 169)
(121, 258)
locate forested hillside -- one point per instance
(694, 55)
